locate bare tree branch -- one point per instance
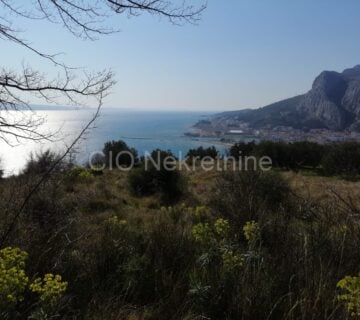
(84, 19)
(45, 176)
(15, 88)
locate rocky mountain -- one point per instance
(333, 103)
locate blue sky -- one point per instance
(243, 53)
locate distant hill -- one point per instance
(333, 103)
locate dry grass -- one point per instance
(317, 188)
(324, 189)
(107, 259)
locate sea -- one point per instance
(143, 130)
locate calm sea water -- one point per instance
(145, 131)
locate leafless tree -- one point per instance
(84, 19)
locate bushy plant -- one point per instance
(13, 279)
(80, 174)
(203, 234)
(293, 156)
(342, 159)
(14, 286)
(217, 269)
(306, 154)
(118, 153)
(246, 195)
(351, 294)
(231, 261)
(41, 162)
(50, 289)
(201, 152)
(242, 149)
(156, 178)
(251, 231)
(279, 152)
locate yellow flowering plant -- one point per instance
(14, 282)
(232, 261)
(222, 228)
(215, 239)
(13, 279)
(219, 261)
(50, 289)
(251, 231)
(351, 294)
(203, 233)
(209, 234)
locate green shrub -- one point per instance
(150, 179)
(50, 289)
(342, 159)
(118, 153)
(14, 286)
(41, 162)
(80, 174)
(306, 154)
(251, 231)
(351, 295)
(201, 152)
(293, 156)
(279, 152)
(214, 280)
(13, 280)
(242, 149)
(244, 196)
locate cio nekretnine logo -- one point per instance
(161, 160)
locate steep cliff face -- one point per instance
(332, 103)
(352, 73)
(323, 101)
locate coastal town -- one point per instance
(234, 131)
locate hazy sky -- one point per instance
(244, 53)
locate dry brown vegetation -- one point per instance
(127, 257)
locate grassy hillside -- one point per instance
(235, 246)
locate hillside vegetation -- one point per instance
(230, 245)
